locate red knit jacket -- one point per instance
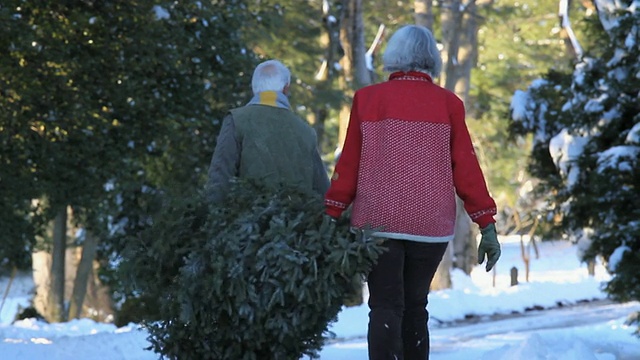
(406, 154)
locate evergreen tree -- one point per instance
(290, 31)
(513, 52)
(259, 276)
(587, 136)
(105, 103)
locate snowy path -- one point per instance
(581, 332)
(527, 330)
(592, 331)
(79, 339)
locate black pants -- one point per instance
(398, 288)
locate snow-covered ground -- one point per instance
(498, 325)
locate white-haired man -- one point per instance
(265, 140)
(407, 153)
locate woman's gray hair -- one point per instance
(412, 48)
(270, 75)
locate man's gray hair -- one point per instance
(270, 75)
(412, 48)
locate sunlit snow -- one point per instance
(501, 327)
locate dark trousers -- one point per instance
(398, 288)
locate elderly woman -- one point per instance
(407, 153)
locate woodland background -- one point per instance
(108, 106)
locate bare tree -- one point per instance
(354, 63)
(333, 52)
(570, 39)
(373, 51)
(64, 271)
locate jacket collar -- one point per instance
(271, 98)
(410, 75)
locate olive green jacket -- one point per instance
(267, 143)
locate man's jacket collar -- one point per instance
(271, 98)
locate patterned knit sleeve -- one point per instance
(345, 176)
(467, 175)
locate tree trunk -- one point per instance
(56, 308)
(526, 258)
(41, 269)
(467, 52)
(423, 12)
(354, 31)
(14, 270)
(330, 42)
(442, 278)
(354, 65)
(465, 254)
(83, 273)
(318, 121)
(591, 267)
(459, 36)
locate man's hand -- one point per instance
(329, 223)
(489, 246)
(330, 218)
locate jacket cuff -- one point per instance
(484, 220)
(334, 208)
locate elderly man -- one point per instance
(265, 140)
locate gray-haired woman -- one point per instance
(407, 153)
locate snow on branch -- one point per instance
(161, 13)
(618, 157)
(563, 13)
(607, 11)
(375, 45)
(565, 149)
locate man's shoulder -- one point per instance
(302, 125)
(256, 112)
(253, 109)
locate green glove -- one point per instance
(489, 246)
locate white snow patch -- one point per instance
(595, 105)
(565, 149)
(161, 13)
(633, 137)
(616, 257)
(518, 106)
(622, 157)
